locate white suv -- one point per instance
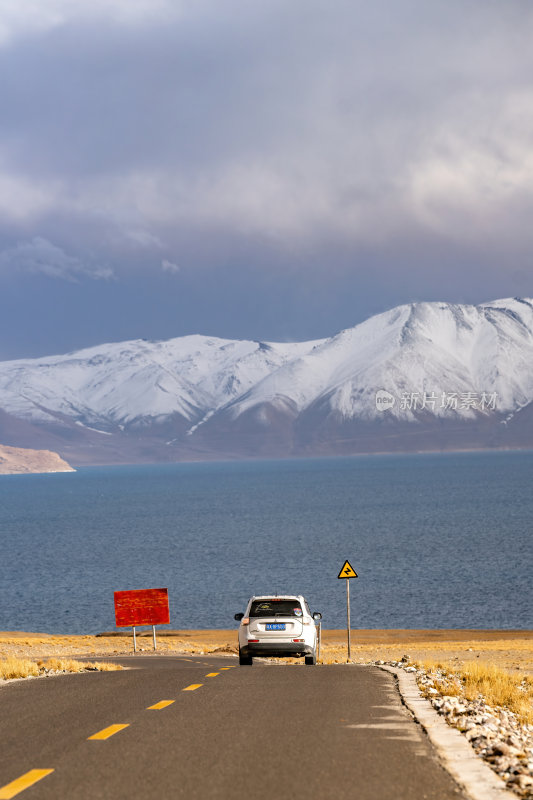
(277, 625)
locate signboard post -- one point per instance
(141, 607)
(348, 572)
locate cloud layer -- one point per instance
(311, 137)
(39, 256)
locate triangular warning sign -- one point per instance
(347, 571)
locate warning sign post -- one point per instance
(347, 572)
(141, 607)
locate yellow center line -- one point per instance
(192, 687)
(24, 782)
(109, 731)
(212, 674)
(161, 704)
(226, 667)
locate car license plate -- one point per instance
(275, 626)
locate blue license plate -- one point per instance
(275, 626)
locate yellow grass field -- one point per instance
(511, 650)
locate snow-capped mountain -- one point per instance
(139, 382)
(427, 347)
(420, 376)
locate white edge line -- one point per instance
(455, 752)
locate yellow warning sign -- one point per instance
(347, 571)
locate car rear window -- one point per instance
(268, 608)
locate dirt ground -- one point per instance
(511, 649)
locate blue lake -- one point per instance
(438, 541)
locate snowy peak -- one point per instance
(440, 361)
(139, 381)
(417, 349)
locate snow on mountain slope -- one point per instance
(136, 381)
(433, 348)
(436, 349)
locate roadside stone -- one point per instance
(473, 733)
(522, 781)
(495, 734)
(504, 749)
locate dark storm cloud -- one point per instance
(306, 138)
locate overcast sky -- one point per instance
(276, 169)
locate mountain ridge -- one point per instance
(450, 370)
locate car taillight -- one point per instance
(296, 640)
(245, 621)
(255, 640)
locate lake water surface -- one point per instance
(438, 541)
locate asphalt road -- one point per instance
(267, 731)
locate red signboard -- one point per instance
(141, 607)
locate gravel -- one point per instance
(495, 733)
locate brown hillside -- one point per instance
(15, 460)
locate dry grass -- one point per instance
(508, 652)
(17, 668)
(12, 667)
(102, 666)
(45, 645)
(497, 686)
(70, 665)
(512, 650)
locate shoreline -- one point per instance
(38, 472)
(329, 456)
(365, 636)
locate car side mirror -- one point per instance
(238, 617)
(317, 615)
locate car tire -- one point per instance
(310, 660)
(245, 661)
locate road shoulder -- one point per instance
(454, 751)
